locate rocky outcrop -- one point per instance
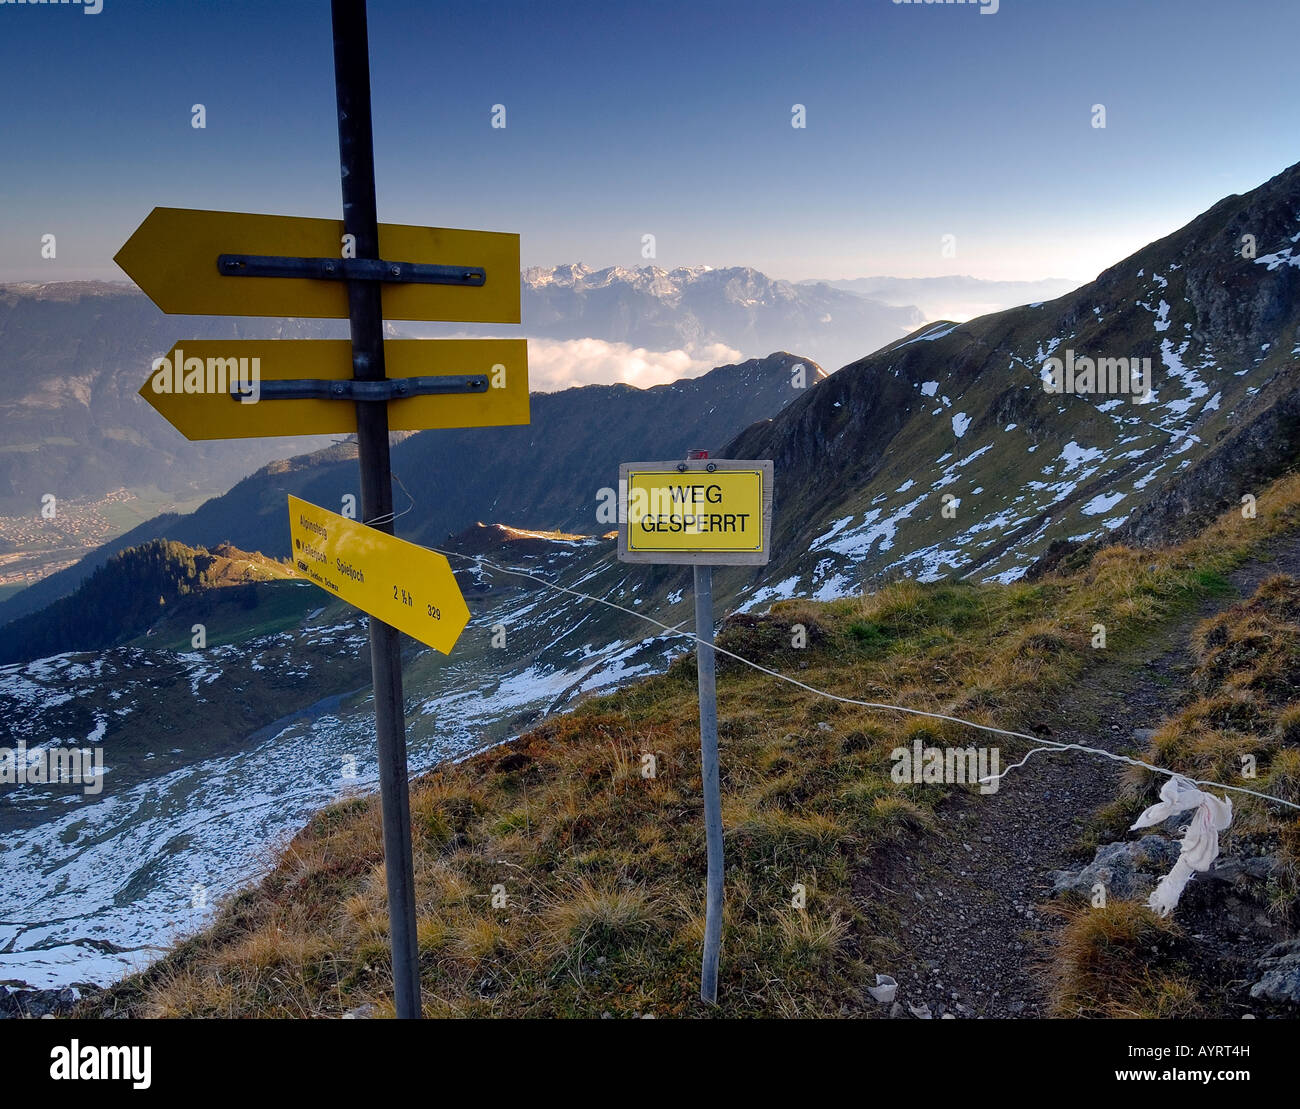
(31, 1004)
(1281, 973)
(1125, 870)
(1241, 464)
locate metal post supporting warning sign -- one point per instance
(706, 512)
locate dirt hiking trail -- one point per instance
(962, 902)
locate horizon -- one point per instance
(124, 280)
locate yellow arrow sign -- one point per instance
(173, 258)
(409, 587)
(191, 386)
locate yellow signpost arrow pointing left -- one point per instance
(191, 386)
(173, 256)
(407, 586)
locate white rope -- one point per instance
(1040, 743)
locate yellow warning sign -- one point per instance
(404, 585)
(698, 509)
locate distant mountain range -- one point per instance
(691, 308)
(72, 357)
(74, 354)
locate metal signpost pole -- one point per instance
(360, 219)
(290, 266)
(704, 656)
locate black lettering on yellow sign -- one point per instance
(361, 566)
(312, 552)
(719, 511)
(696, 525)
(694, 494)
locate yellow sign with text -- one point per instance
(409, 587)
(173, 255)
(192, 385)
(696, 511)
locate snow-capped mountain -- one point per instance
(693, 307)
(945, 454)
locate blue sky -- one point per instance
(665, 118)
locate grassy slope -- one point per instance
(155, 585)
(602, 868)
(274, 606)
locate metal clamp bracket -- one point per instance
(393, 388)
(349, 269)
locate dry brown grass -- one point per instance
(1120, 961)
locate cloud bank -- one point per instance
(555, 364)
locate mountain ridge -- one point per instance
(864, 454)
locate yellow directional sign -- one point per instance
(173, 258)
(408, 587)
(716, 511)
(191, 386)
